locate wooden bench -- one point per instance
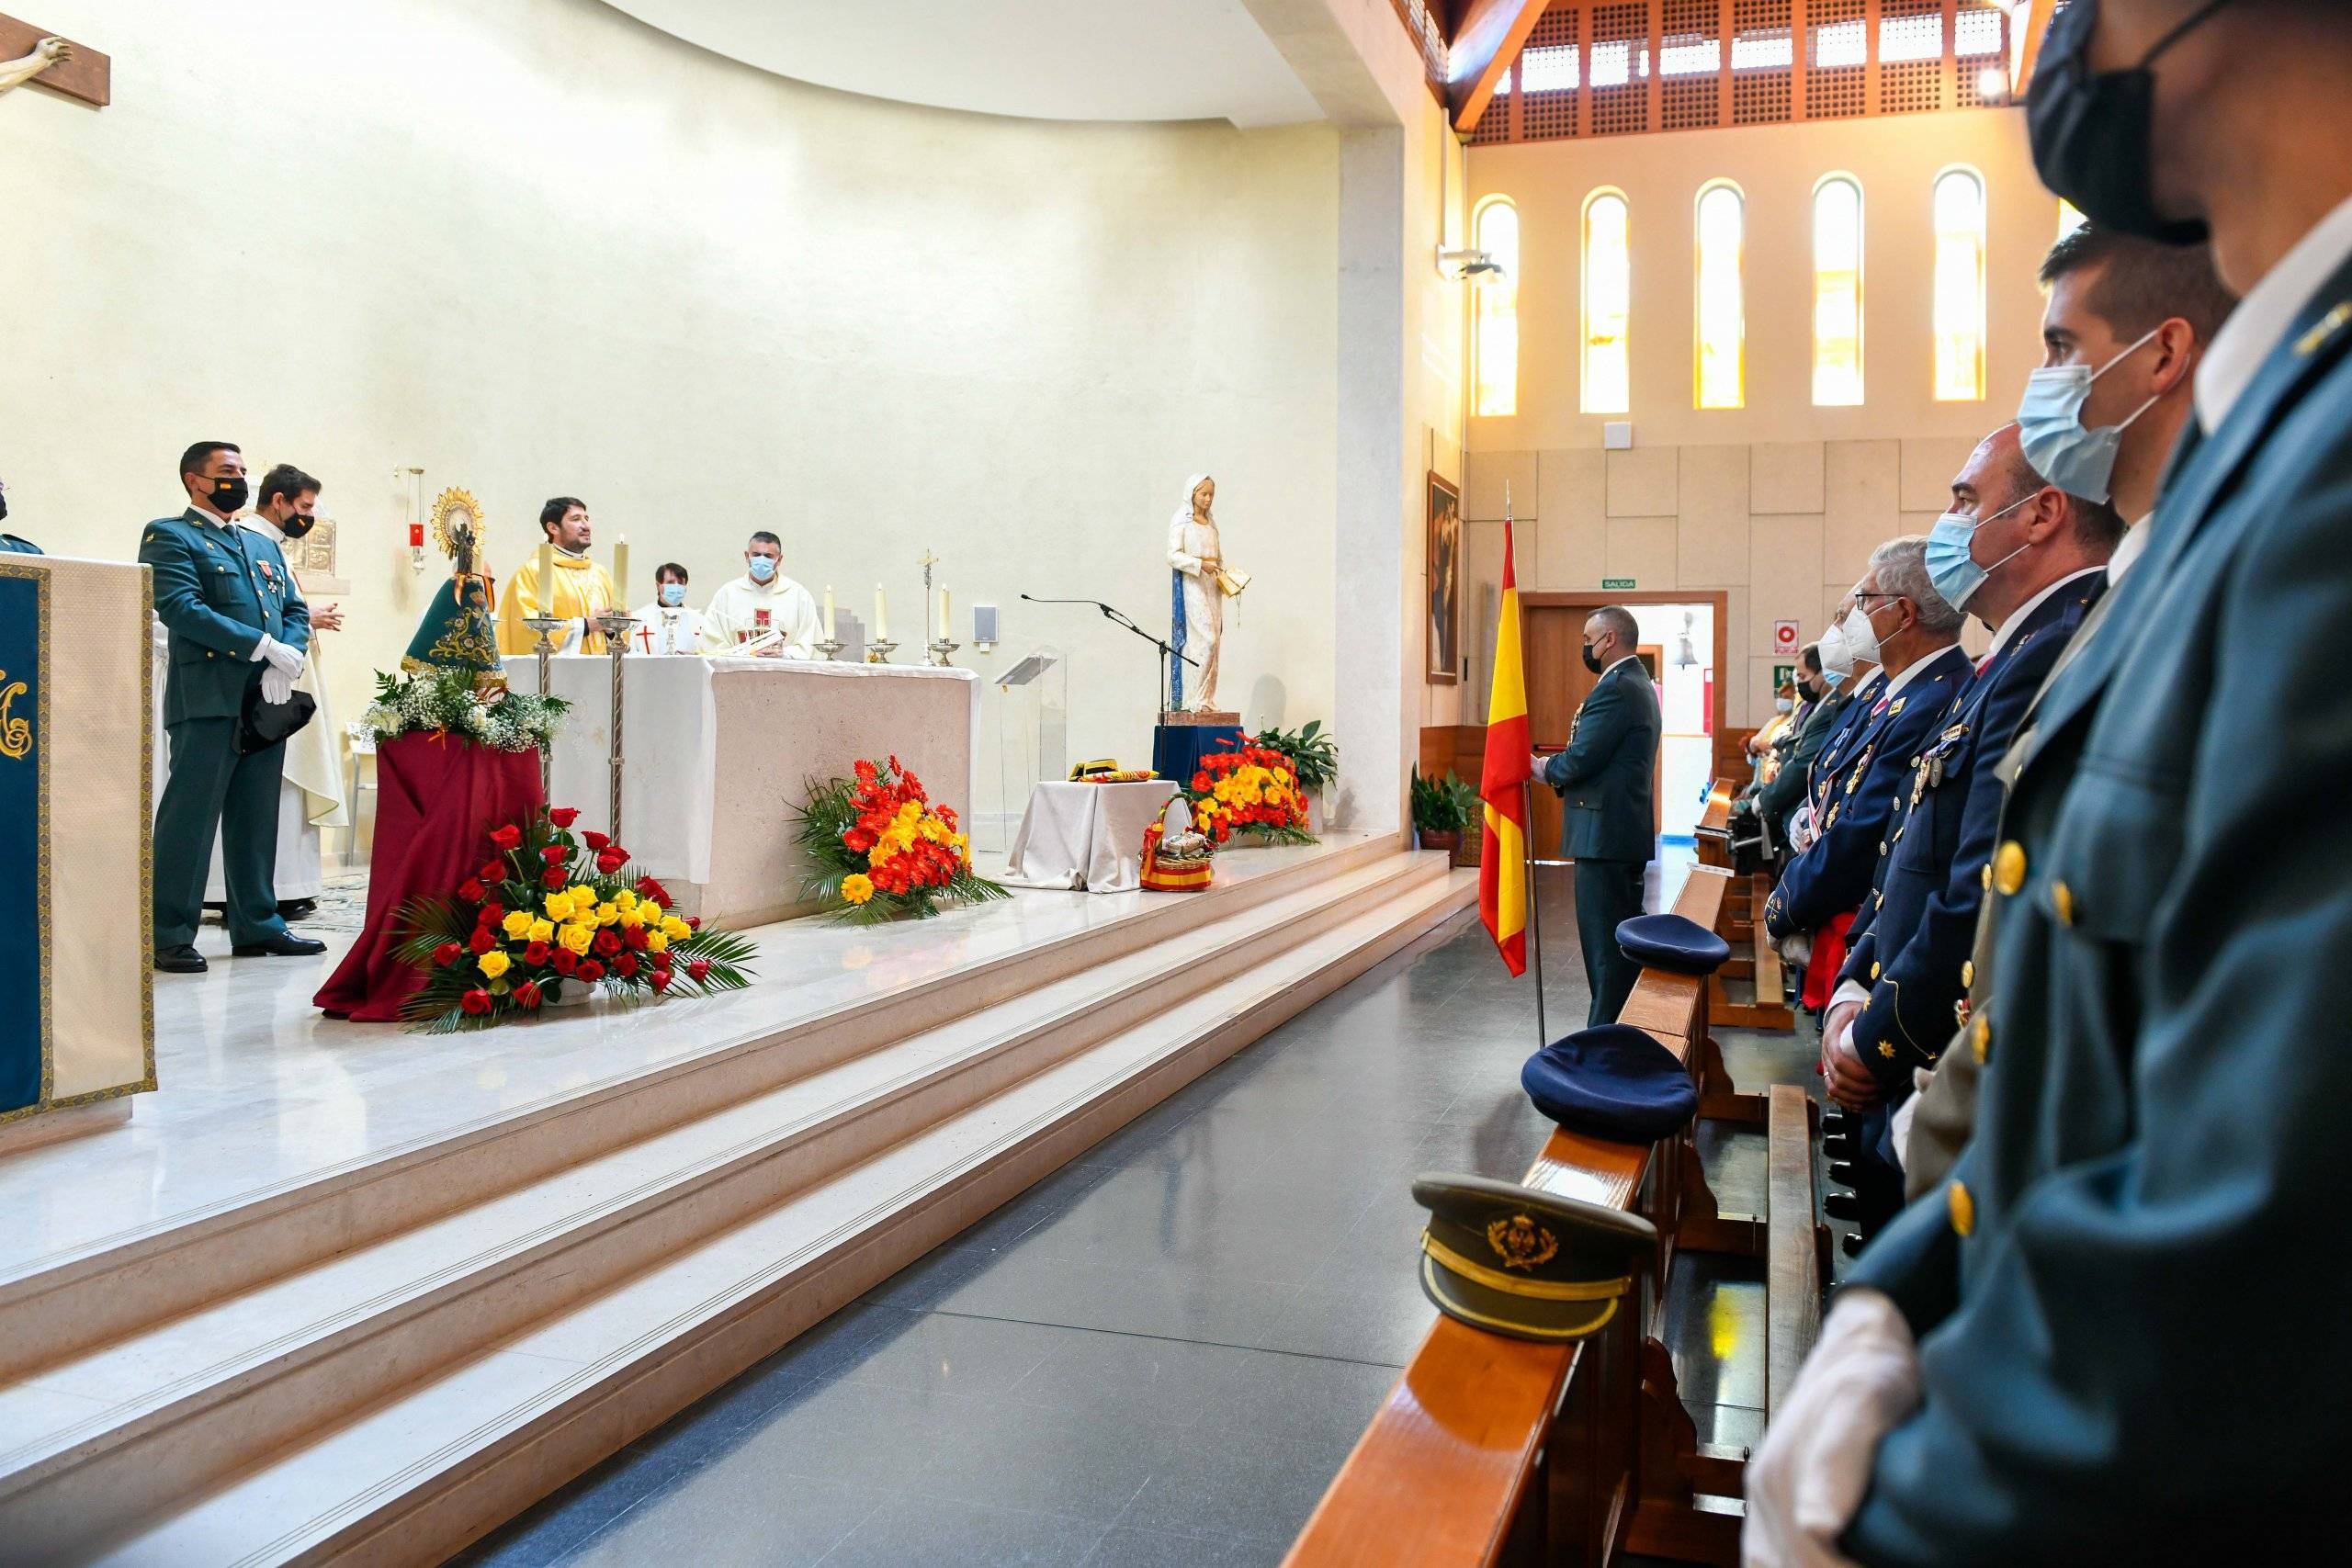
(1753, 957)
(1491, 1449)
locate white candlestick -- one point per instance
(881, 616)
(829, 614)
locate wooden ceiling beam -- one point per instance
(1487, 36)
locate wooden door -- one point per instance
(1557, 683)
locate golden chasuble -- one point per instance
(582, 588)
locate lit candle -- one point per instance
(543, 585)
(620, 573)
(829, 614)
(943, 617)
(881, 616)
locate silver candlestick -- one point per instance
(616, 624)
(940, 649)
(543, 625)
(830, 648)
(880, 653)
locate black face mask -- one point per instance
(294, 527)
(230, 495)
(1805, 692)
(2092, 131)
(1592, 660)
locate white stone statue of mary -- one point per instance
(1199, 584)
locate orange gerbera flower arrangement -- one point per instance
(883, 850)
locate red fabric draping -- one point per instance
(437, 799)
(1829, 957)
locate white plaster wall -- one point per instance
(539, 248)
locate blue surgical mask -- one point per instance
(763, 567)
(673, 594)
(1951, 566)
(1784, 705)
(2049, 426)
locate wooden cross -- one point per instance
(85, 74)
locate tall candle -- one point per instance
(543, 585)
(881, 616)
(620, 573)
(945, 619)
(829, 614)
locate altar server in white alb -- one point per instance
(762, 601)
(669, 625)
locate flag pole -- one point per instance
(1536, 921)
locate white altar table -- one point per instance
(716, 751)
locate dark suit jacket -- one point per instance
(1834, 876)
(217, 590)
(2129, 1295)
(1910, 945)
(1778, 800)
(1604, 777)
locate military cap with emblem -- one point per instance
(1532, 1265)
(1612, 1081)
(1672, 942)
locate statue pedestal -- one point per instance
(1206, 718)
(1181, 739)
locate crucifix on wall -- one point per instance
(29, 54)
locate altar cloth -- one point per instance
(1088, 835)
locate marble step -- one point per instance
(78, 1299)
(179, 1405)
(453, 1455)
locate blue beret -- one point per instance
(1612, 1081)
(1670, 941)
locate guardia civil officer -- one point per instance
(236, 623)
(1608, 824)
(2115, 1333)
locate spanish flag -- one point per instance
(1502, 861)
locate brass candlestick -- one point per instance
(543, 625)
(616, 624)
(940, 649)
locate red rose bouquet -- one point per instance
(883, 850)
(549, 909)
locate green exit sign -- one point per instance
(1609, 582)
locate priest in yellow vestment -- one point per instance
(581, 589)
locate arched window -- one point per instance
(1837, 292)
(1721, 328)
(1494, 344)
(1608, 378)
(1959, 286)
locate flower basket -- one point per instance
(1186, 866)
(883, 851)
(550, 913)
(1252, 790)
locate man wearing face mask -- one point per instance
(1827, 701)
(669, 625)
(234, 618)
(2028, 1365)
(1608, 825)
(2029, 561)
(1901, 622)
(762, 601)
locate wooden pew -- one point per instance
(1796, 1244)
(1753, 957)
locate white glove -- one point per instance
(1809, 1474)
(1801, 829)
(160, 635)
(1796, 948)
(1899, 1124)
(280, 657)
(277, 685)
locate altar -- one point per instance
(716, 751)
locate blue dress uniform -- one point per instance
(1609, 826)
(1909, 947)
(218, 589)
(1834, 876)
(2129, 1295)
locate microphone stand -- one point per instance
(1114, 617)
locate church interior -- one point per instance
(1740, 601)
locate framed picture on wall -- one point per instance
(1442, 636)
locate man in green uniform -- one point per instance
(2114, 1332)
(236, 622)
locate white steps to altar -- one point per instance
(473, 1343)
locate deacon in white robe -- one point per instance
(666, 628)
(763, 600)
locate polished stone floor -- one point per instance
(1162, 1353)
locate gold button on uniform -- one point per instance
(2062, 898)
(1981, 1037)
(1873, 971)
(1968, 971)
(2008, 868)
(1963, 1210)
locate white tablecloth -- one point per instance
(685, 765)
(1089, 835)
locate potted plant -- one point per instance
(1442, 809)
(1314, 757)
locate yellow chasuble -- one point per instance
(582, 588)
